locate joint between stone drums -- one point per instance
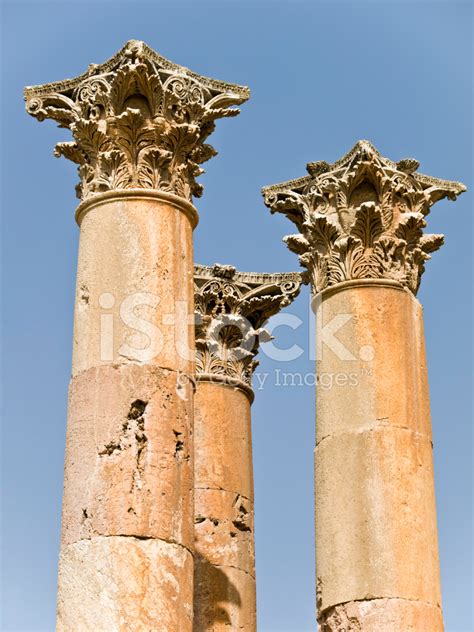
(354, 283)
(181, 205)
(117, 366)
(225, 380)
(322, 615)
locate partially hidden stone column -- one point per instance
(139, 123)
(360, 223)
(231, 309)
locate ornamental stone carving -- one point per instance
(138, 121)
(231, 309)
(361, 217)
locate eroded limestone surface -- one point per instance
(382, 615)
(119, 584)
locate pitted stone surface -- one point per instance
(224, 529)
(128, 467)
(224, 574)
(120, 584)
(382, 615)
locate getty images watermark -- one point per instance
(130, 328)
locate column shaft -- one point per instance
(224, 574)
(361, 237)
(376, 545)
(126, 553)
(231, 308)
(139, 124)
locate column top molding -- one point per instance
(231, 309)
(138, 121)
(361, 217)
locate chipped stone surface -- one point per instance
(382, 615)
(128, 467)
(375, 502)
(224, 528)
(224, 577)
(119, 584)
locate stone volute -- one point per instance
(231, 311)
(139, 124)
(361, 240)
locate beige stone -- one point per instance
(129, 452)
(117, 584)
(139, 124)
(136, 252)
(222, 434)
(382, 615)
(361, 217)
(224, 576)
(385, 337)
(128, 468)
(361, 240)
(375, 504)
(224, 528)
(232, 308)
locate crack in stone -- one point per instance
(383, 426)
(336, 618)
(132, 536)
(221, 489)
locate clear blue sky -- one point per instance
(322, 75)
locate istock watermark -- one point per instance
(291, 379)
(139, 329)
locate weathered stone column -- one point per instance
(139, 122)
(231, 308)
(361, 240)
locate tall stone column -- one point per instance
(360, 224)
(139, 123)
(232, 308)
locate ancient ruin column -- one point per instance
(231, 308)
(139, 122)
(361, 240)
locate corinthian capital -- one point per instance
(138, 121)
(231, 309)
(361, 217)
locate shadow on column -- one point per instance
(215, 596)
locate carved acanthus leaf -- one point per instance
(361, 218)
(231, 310)
(138, 120)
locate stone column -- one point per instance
(231, 309)
(361, 240)
(139, 122)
